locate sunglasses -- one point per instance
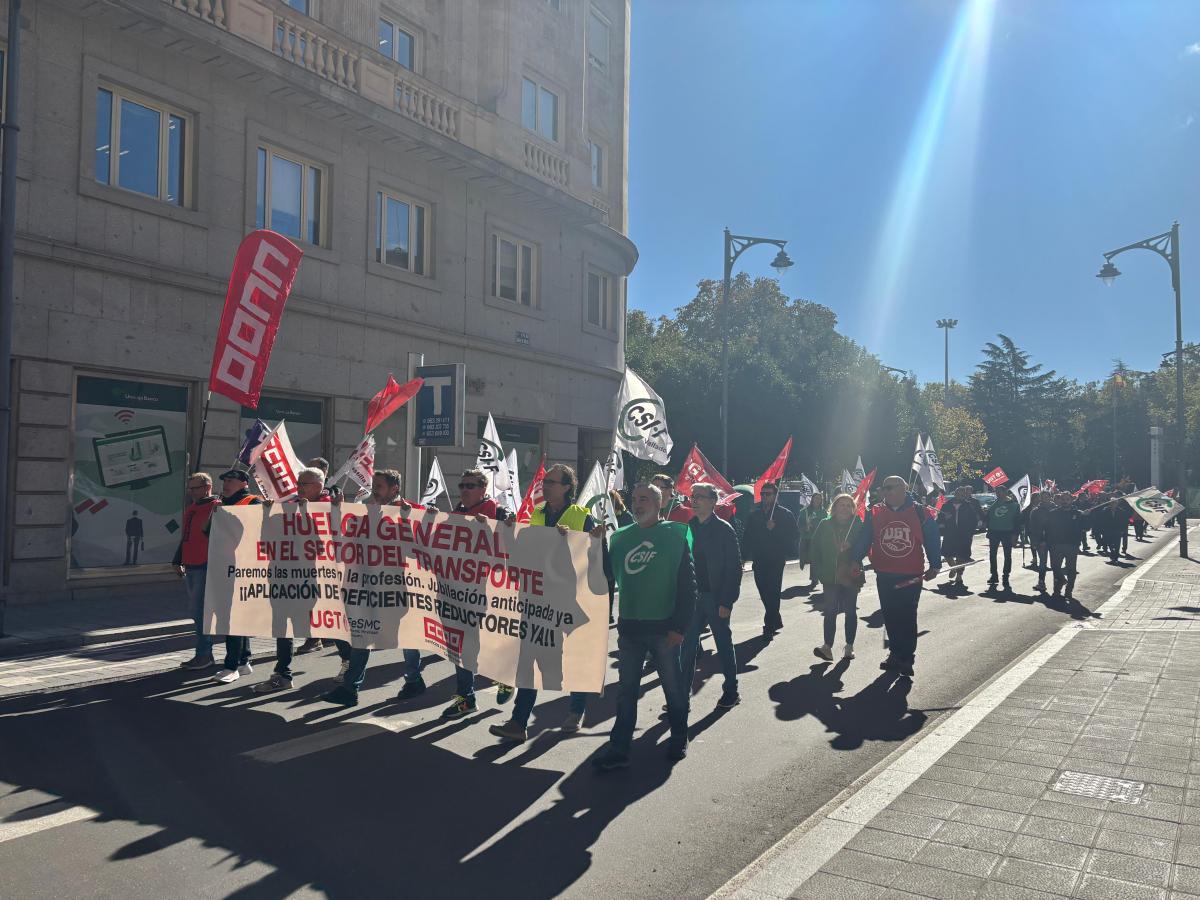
(469, 485)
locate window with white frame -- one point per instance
(596, 151)
(401, 233)
(539, 109)
(514, 270)
(291, 195)
(304, 6)
(397, 43)
(600, 300)
(597, 40)
(141, 145)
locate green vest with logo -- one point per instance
(572, 518)
(1004, 515)
(645, 564)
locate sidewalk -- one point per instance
(1073, 774)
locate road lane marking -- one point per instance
(797, 856)
(10, 831)
(285, 751)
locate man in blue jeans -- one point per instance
(718, 583)
(191, 559)
(652, 564)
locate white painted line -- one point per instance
(784, 868)
(295, 748)
(12, 830)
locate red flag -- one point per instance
(697, 468)
(533, 495)
(391, 398)
(937, 507)
(995, 478)
(1091, 488)
(775, 472)
(264, 268)
(861, 493)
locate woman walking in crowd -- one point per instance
(840, 575)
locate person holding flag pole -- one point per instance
(840, 576)
(770, 539)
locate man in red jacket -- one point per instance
(191, 560)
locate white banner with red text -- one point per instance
(523, 605)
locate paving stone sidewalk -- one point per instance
(95, 620)
(995, 817)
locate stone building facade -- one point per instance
(454, 170)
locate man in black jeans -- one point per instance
(771, 539)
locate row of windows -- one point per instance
(142, 147)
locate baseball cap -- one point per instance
(236, 473)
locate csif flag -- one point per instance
(642, 421)
(1154, 506)
(775, 472)
(435, 485)
(1023, 492)
(807, 490)
(391, 398)
(594, 496)
(861, 493)
(533, 495)
(615, 466)
(860, 471)
(264, 268)
(490, 458)
(847, 483)
(933, 466)
(509, 500)
(276, 465)
(360, 467)
(920, 463)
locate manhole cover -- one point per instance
(1100, 787)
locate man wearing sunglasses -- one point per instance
(771, 539)
(473, 500)
(900, 536)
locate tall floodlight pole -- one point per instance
(946, 325)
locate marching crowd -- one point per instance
(687, 576)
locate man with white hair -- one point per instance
(900, 536)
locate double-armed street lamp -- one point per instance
(1165, 245)
(735, 244)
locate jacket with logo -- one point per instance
(895, 538)
(1004, 516)
(655, 574)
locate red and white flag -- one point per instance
(533, 496)
(861, 493)
(696, 469)
(360, 467)
(263, 271)
(937, 507)
(276, 465)
(775, 472)
(391, 398)
(995, 478)
(1091, 488)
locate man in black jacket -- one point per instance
(718, 583)
(1039, 513)
(959, 519)
(771, 539)
(1062, 531)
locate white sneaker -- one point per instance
(343, 669)
(848, 653)
(245, 669)
(227, 676)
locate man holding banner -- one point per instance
(235, 491)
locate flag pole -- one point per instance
(203, 429)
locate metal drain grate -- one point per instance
(1100, 787)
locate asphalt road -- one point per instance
(173, 785)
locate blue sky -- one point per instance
(927, 159)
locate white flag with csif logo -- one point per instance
(490, 458)
(594, 496)
(435, 485)
(642, 421)
(1154, 506)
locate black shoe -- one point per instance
(1007, 586)
(342, 696)
(197, 663)
(1041, 587)
(889, 664)
(905, 669)
(729, 700)
(1069, 595)
(411, 689)
(677, 749)
(609, 759)
(311, 646)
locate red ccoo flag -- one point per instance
(533, 495)
(861, 493)
(775, 472)
(391, 398)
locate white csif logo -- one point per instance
(639, 557)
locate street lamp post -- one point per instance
(946, 325)
(1166, 245)
(735, 244)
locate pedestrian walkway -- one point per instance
(1073, 774)
(96, 620)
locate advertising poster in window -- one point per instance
(304, 422)
(130, 456)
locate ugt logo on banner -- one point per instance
(263, 271)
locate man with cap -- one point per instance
(235, 491)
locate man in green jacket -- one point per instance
(1003, 522)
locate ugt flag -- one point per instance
(533, 496)
(995, 478)
(264, 268)
(435, 485)
(276, 465)
(775, 472)
(490, 458)
(1023, 491)
(697, 469)
(642, 421)
(861, 494)
(1154, 506)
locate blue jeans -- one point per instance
(632, 650)
(285, 650)
(237, 651)
(706, 611)
(194, 579)
(464, 682)
(358, 659)
(412, 666)
(527, 697)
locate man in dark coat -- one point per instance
(959, 519)
(771, 539)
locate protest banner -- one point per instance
(523, 605)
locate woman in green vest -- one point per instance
(812, 516)
(558, 510)
(840, 575)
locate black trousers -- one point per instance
(768, 578)
(998, 539)
(899, 606)
(1063, 558)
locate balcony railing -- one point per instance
(296, 41)
(211, 11)
(546, 165)
(424, 106)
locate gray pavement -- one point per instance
(161, 783)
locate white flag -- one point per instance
(642, 421)
(360, 467)
(1154, 506)
(848, 484)
(511, 499)
(490, 458)
(276, 466)
(807, 490)
(859, 472)
(594, 496)
(1023, 492)
(435, 485)
(615, 467)
(933, 467)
